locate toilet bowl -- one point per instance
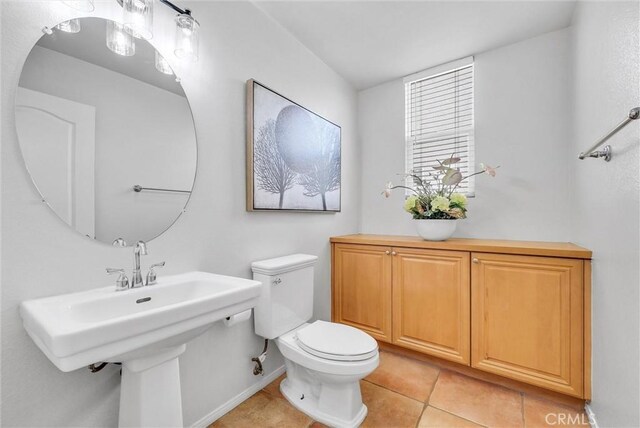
(324, 361)
(327, 389)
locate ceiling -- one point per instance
(90, 45)
(370, 42)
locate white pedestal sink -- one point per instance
(145, 329)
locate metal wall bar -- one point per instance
(634, 114)
(138, 188)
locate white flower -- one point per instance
(440, 203)
(387, 191)
(489, 170)
(410, 203)
(459, 198)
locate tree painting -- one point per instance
(272, 173)
(298, 139)
(324, 174)
(296, 155)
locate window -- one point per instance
(439, 120)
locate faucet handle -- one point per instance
(151, 276)
(122, 283)
(119, 243)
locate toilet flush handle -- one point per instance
(277, 281)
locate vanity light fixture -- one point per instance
(137, 18)
(162, 65)
(118, 40)
(82, 5)
(138, 21)
(187, 37)
(70, 26)
(187, 33)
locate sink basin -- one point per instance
(78, 329)
(144, 328)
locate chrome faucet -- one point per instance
(122, 283)
(140, 248)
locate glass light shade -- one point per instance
(70, 26)
(162, 65)
(83, 5)
(187, 37)
(137, 18)
(118, 40)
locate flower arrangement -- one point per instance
(435, 195)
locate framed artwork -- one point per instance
(293, 155)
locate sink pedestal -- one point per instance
(144, 328)
(150, 390)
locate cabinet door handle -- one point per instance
(475, 260)
(393, 253)
(387, 252)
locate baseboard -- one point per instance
(235, 401)
(592, 416)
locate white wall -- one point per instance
(41, 256)
(538, 104)
(606, 73)
(523, 101)
(135, 122)
(521, 123)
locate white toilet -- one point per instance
(324, 361)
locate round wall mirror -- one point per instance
(106, 131)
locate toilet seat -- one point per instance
(337, 342)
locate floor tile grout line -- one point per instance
(457, 416)
(424, 407)
(395, 392)
(509, 388)
(459, 373)
(433, 388)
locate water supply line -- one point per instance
(95, 368)
(258, 369)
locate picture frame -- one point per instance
(293, 155)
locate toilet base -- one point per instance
(309, 405)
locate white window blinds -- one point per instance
(439, 120)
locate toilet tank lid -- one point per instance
(284, 264)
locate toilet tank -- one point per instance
(286, 300)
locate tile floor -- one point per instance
(404, 392)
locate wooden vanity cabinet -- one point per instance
(520, 310)
(362, 288)
(527, 319)
(427, 292)
(431, 302)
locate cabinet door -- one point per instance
(527, 319)
(431, 300)
(362, 288)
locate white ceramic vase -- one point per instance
(436, 230)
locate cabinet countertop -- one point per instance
(532, 248)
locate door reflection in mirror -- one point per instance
(92, 124)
